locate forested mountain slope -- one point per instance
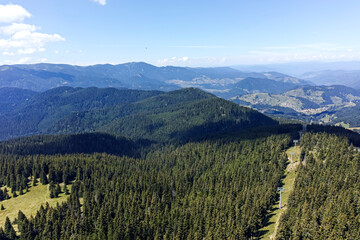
(10, 98)
(153, 115)
(34, 115)
(199, 190)
(166, 120)
(325, 201)
(219, 187)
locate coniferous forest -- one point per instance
(179, 120)
(325, 203)
(212, 189)
(207, 169)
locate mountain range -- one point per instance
(349, 78)
(270, 92)
(41, 77)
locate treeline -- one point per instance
(352, 136)
(325, 203)
(72, 143)
(202, 190)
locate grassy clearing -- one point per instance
(269, 230)
(30, 202)
(343, 124)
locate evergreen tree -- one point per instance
(43, 178)
(9, 230)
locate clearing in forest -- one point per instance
(30, 202)
(270, 227)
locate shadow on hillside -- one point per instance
(228, 131)
(76, 143)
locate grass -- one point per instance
(269, 230)
(343, 124)
(30, 202)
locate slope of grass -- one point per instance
(30, 202)
(269, 230)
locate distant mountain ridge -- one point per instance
(350, 78)
(135, 75)
(270, 92)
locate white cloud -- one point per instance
(13, 13)
(17, 27)
(23, 60)
(21, 38)
(173, 60)
(8, 53)
(27, 42)
(101, 2)
(305, 52)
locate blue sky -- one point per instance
(178, 32)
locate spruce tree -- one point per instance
(9, 230)
(43, 178)
(34, 183)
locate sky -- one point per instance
(179, 32)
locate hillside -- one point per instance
(324, 203)
(310, 103)
(153, 115)
(11, 98)
(214, 174)
(182, 114)
(34, 115)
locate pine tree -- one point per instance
(9, 230)
(66, 189)
(2, 234)
(21, 220)
(34, 183)
(57, 190)
(43, 178)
